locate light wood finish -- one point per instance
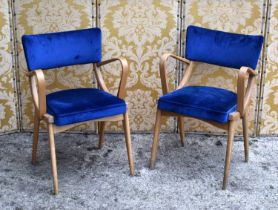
(163, 71)
(245, 136)
(128, 144)
(218, 125)
(53, 158)
(243, 100)
(101, 128)
(181, 129)
(234, 116)
(122, 90)
(100, 79)
(38, 90)
(229, 153)
(244, 94)
(37, 83)
(186, 76)
(155, 138)
(59, 129)
(35, 138)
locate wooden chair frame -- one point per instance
(243, 101)
(37, 84)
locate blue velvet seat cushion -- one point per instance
(202, 102)
(83, 104)
(53, 50)
(223, 48)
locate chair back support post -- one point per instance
(37, 86)
(100, 80)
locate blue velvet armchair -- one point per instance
(219, 107)
(65, 109)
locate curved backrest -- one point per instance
(222, 48)
(52, 50)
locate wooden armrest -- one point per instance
(163, 73)
(244, 94)
(37, 85)
(122, 86)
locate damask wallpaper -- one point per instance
(241, 16)
(141, 31)
(269, 121)
(7, 94)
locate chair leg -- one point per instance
(181, 129)
(53, 157)
(245, 136)
(229, 148)
(128, 143)
(101, 127)
(155, 138)
(35, 138)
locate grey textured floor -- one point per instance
(184, 178)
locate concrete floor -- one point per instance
(184, 178)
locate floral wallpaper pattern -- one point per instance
(269, 121)
(7, 96)
(141, 31)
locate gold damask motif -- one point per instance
(241, 16)
(269, 121)
(35, 16)
(7, 96)
(141, 31)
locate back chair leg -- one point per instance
(229, 148)
(155, 138)
(53, 157)
(35, 138)
(128, 143)
(101, 127)
(181, 129)
(245, 136)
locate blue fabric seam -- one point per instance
(74, 113)
(195, 106)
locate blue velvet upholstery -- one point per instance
(207, 103)
(83, 104)
(52, 50)
(222, 48)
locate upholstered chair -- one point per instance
(216, 106)
(65, 109)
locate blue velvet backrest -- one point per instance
(222, 48)
(53, 50)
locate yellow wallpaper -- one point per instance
(269, 121)
(241, 16)
(141, 31)
(35, 16)
(7, 95)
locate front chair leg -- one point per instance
(155, 138)
(229, 148)
(181, 129)
(245, 136)
(101, 127)
(35, 138)
(128, 143)
(53, 157)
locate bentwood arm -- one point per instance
(37, 84)
(244, 94)
(122, 85)
(163, 73)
